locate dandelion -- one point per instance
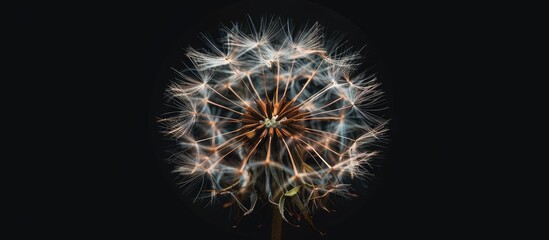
(276, 115)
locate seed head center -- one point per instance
(272, 122)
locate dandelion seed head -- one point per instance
(269, 112)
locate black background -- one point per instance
(86, 87)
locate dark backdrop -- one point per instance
(87, 78)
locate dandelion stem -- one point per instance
(276, 227)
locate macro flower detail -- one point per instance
(274, 114)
